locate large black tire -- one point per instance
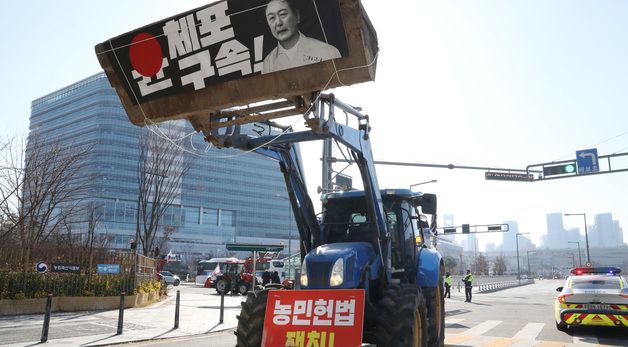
(435, 302)
(401, 320)
(251, 320)
(223, 286)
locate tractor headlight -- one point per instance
(303, 278)
(337, 273)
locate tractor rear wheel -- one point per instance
(251, 320)
(401, 319)
(435, 302)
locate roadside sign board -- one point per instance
(250, 247)
(108, 268)
(508, 176)
(314, 318)
(66, 268)
(587, 161)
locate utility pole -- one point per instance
(586, 232)
(579, 254)
(518, 268)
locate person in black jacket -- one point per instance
(274, 278)
(266, 277)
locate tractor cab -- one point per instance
(346, 225)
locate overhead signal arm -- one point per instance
(475, 229)
(570, 168)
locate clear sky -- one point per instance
(486, 83)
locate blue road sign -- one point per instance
(587, 161)
(108, 268)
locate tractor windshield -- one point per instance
(346, 220)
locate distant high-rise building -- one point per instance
(226, 196)
(606, 232)
(509, 241)
(557, 237)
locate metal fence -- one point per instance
(494, 286)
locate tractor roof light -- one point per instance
(595, 270)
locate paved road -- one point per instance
(518, 317)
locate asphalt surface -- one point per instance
(520, 317)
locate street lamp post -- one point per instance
(586, 233)
(528, 257)
(426, 182)
(517, 243)
(579, 254)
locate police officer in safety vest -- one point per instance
(448, 280)
(468, 285)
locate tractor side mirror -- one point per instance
(428, 203)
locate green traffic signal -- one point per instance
(559, 169)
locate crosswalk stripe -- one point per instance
(472, 333)
(550, 344)
(530, 331)
(499, 342)
(483, 327)
(469, 340)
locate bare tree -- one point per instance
(450, 263)
(42, 184)
(161, 169)
(499, 266)
(480, 265)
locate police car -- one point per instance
(596, 296)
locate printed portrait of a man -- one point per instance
(293, 47)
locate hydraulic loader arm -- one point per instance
(323, 125)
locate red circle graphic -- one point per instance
(145, 54)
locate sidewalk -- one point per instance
(199, 314)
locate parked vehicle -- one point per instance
(169, 278)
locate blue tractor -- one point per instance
(371, 239)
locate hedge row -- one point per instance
(17, 285)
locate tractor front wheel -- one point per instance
(435, 303)
(251, 320)
(243, 288)
(401, 319)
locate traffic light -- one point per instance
(465, 229)
(563, 169)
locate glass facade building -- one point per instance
(225, 196)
